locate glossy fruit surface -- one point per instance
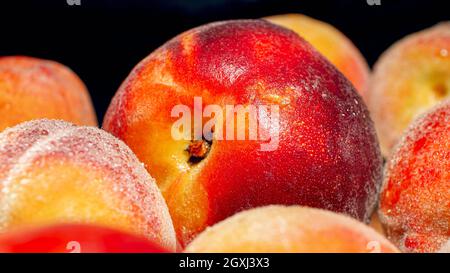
(74, 238)
(332, 43)
(327, 154)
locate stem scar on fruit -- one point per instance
(199, 149)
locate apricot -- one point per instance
(409, 78)
(32, 88)
(74, 238)
(55, 172)
(290, 229)
(321, 150)
(330, 42)
(415, 200)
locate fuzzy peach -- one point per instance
(74, 238)
(332, 43)
(326, 156)
(412, 76)
(54, 172)
(290, 229)
(32, 88)
(415, 200)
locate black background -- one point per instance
(285, 262)
(102, 40)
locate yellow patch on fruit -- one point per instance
(58, 192)
(188, 206)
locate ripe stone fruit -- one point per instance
(411, 77)
(74, 238)
(415, 200)
(332, 43)
(327, 154)
(290, 229)
(32, 88)
(55, 172)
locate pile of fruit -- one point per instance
(131, 186)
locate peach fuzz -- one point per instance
(415, 201)
(330, 42)
(32, 88)
(327, 155)
(74, 238)
(411, 77)
(54, 172)
(290, 229)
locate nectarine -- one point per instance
(74, 238)
(327, 153)
(332, 43)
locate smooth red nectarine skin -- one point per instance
(332, 43)
(328, 155)
(74, 238)
(415, 200)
